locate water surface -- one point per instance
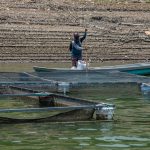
(130, 129)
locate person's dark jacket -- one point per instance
(76, 47)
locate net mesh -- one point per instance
(63, 81)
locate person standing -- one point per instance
(76, 47)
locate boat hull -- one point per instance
(138, 69)
(144, 71)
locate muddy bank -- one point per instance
(41, 30)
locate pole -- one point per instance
(86, 60)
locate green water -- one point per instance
(130, 129)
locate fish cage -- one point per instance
(28, 97)
(71, 82)
(54, 96)
(34, 107)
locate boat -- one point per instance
(66, 108)
(138, 69)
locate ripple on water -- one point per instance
(111, 99)
(86, 129)
(113, 145)
(16, 141)
(84, 144)
(139, 145)
(32, 132)
(63, 138)
(81, 138)
(122, 138)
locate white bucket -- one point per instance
(81, 65)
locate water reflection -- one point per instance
(122, 138)
(129, 130)
(113, 145)
(90, 135)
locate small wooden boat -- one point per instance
(138, 69)
(66, 108)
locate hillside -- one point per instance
(41, 30)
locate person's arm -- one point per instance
(77, 47)
(70, 46)
(84, 36)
